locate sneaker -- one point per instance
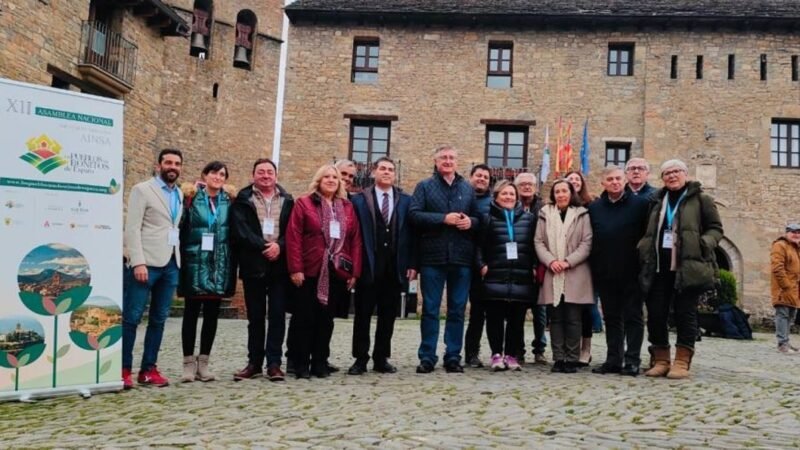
(248, 373)
(497, 363)
(539, 358)
(153, 377)
(474, 361)
(275, 373)
(127, 379)
(786, 348)
(453, 367)
(512, 363)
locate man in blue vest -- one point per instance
(390, 262)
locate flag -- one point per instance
(564, 150)
(545, 170)
(585, 149)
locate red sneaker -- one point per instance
(152, 376)
(127, 379)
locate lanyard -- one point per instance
(670, 211)
(213, 212)
(267, 205)
(175, 204)
(509, 223)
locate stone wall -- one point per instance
(434, 80)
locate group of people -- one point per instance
(502, 247)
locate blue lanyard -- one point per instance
(670, 211)
(175, 204)
(213, 212)
(509, 223)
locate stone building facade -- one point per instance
(712, 83)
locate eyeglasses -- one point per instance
(671, 172)
(636, 169)
(525, 184)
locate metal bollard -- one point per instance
(402, 305)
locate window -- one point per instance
(673, 67)
(620, 60)
(795, 70)
(731, 66)
(369, 140)
(499, 69)
(785, 143)
(617, 153)
(365, 61)
(506, 146)
(763, 67)
(699, 67)
(246, 22)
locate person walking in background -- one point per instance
(563, 241)
(323, 246)
(260, 216)
(506, 260)
(785, 284)
(479, 179)
(207, 270)
(443, 213)
(678, 264)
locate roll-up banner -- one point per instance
(61, 168)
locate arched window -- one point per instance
(202, 20)
(246, 22)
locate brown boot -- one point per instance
(189, 368)
(203, 374)
(660, 364)
(683, 360)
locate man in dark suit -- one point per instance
(390, 262)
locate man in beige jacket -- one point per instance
(152, 244)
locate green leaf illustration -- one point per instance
(103, 343)
(105, 367)
(113, 334)
(49, 359)
(33, 301)
(30, 354)
(5, 361)
(23, 360)
(63, 306)
(78, 295)
(62, 351)
(81, 340)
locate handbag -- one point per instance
(342, 266)
(540, 271)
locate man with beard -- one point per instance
(479, 178)
(153, 251)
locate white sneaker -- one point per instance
(497, 363)
(787, 349)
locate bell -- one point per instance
(198, 41)
(240, 58)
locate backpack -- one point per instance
(734, 322)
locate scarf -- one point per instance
(332, 246)
(557, 244)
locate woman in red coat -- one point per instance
(323, 249)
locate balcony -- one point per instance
(107, 59)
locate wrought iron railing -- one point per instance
(108, 50)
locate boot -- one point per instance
(189, 368)
(660, 361)
(586, 352)
(683, 359)
(203, 374)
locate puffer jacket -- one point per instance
(698, 230)
(785, 279)
(507, 280)
(206, 273)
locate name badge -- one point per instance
(207, 244)
(268, 227)
(173, 237)
(511, 251)
(412, 287)
(667, 242)
(336, 230)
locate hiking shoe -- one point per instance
(539, 358)
(497, 363)
(512, 363)
(152, 377)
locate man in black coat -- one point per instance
(259, 217)
(389, 263)
(443, 213)
(619, 220)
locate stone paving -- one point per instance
(741, 395)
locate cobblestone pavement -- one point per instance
(741, 395)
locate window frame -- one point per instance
(500, 46)
(506, 129)
(368, 43)
(371, 124)
(620, 47)
(790, 124)
(617, 146)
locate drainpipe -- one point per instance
(276, 139)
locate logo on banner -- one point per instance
(44, 154)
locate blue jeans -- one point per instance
(160, 287)
(433, 279)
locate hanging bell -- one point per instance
(199, 42)
(240, 57)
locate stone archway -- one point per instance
(730, 258)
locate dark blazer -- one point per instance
(617, 228)
(402, 234)
(248, 242)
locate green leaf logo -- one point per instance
(63, 351)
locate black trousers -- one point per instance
(477, 318)
(191, 315)
(313, 327)
(504, 326)
(622, 314)
(262, 341)
(383, 294)
(684, 306)
(586, 321)
(565, 331)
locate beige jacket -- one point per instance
(147, 226)
(578, 285)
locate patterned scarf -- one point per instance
(557, 243)
(332, 246)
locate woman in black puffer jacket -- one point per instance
(507, 260)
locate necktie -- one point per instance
(385, 208)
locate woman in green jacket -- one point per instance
(207, 270)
